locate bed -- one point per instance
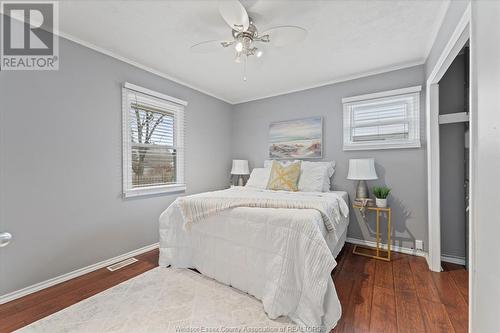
(282, 256)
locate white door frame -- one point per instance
(451, 50)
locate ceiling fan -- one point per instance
(246, 36)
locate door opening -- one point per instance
(454, 159)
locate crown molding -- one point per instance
(339, 80)
(138, 65)
(236, 101)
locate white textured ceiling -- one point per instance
(345, 39)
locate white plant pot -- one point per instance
(381, 203)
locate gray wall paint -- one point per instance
(60, 182)
(61, 164)
(404, 170)
(452, 153)
(453, 15)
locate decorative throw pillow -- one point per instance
(284, 177)
(309, 173)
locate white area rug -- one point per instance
(164, 300)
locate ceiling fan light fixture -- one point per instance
(238, 47)
(246, 36)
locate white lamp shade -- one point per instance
(240, 167)
(362, 169)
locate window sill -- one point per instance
(387, 145)
(153, 190)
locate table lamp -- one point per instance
(240, 168)
(362, 170)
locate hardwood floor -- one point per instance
(376, 296)
(399, 296)
(25, 310)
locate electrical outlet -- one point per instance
(419, 244)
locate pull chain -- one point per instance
(245, 69)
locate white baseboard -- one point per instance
(71, 275)
(395, 248)
(453, 259)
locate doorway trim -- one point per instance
(457, 41)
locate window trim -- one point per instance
(414, 142)
(179, 140)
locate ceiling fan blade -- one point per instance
(209, 46)
(235, 15)
(285, 35)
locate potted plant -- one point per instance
(381, 193)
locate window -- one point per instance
(153, 142)
(382, 120)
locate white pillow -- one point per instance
(314, 176)
(329, 165)
(259, 178)
(312, 179)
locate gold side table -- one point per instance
(378, 250)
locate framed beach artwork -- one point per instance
(300, 138)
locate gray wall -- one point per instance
(452, 161)
(61, 164)
(60, 180)
(404, 170)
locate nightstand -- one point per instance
(366, 251)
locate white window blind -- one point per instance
(382, 120)
(153, 142)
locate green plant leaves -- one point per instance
(381, 192)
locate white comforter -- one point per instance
(278, 255)
(197, 207)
